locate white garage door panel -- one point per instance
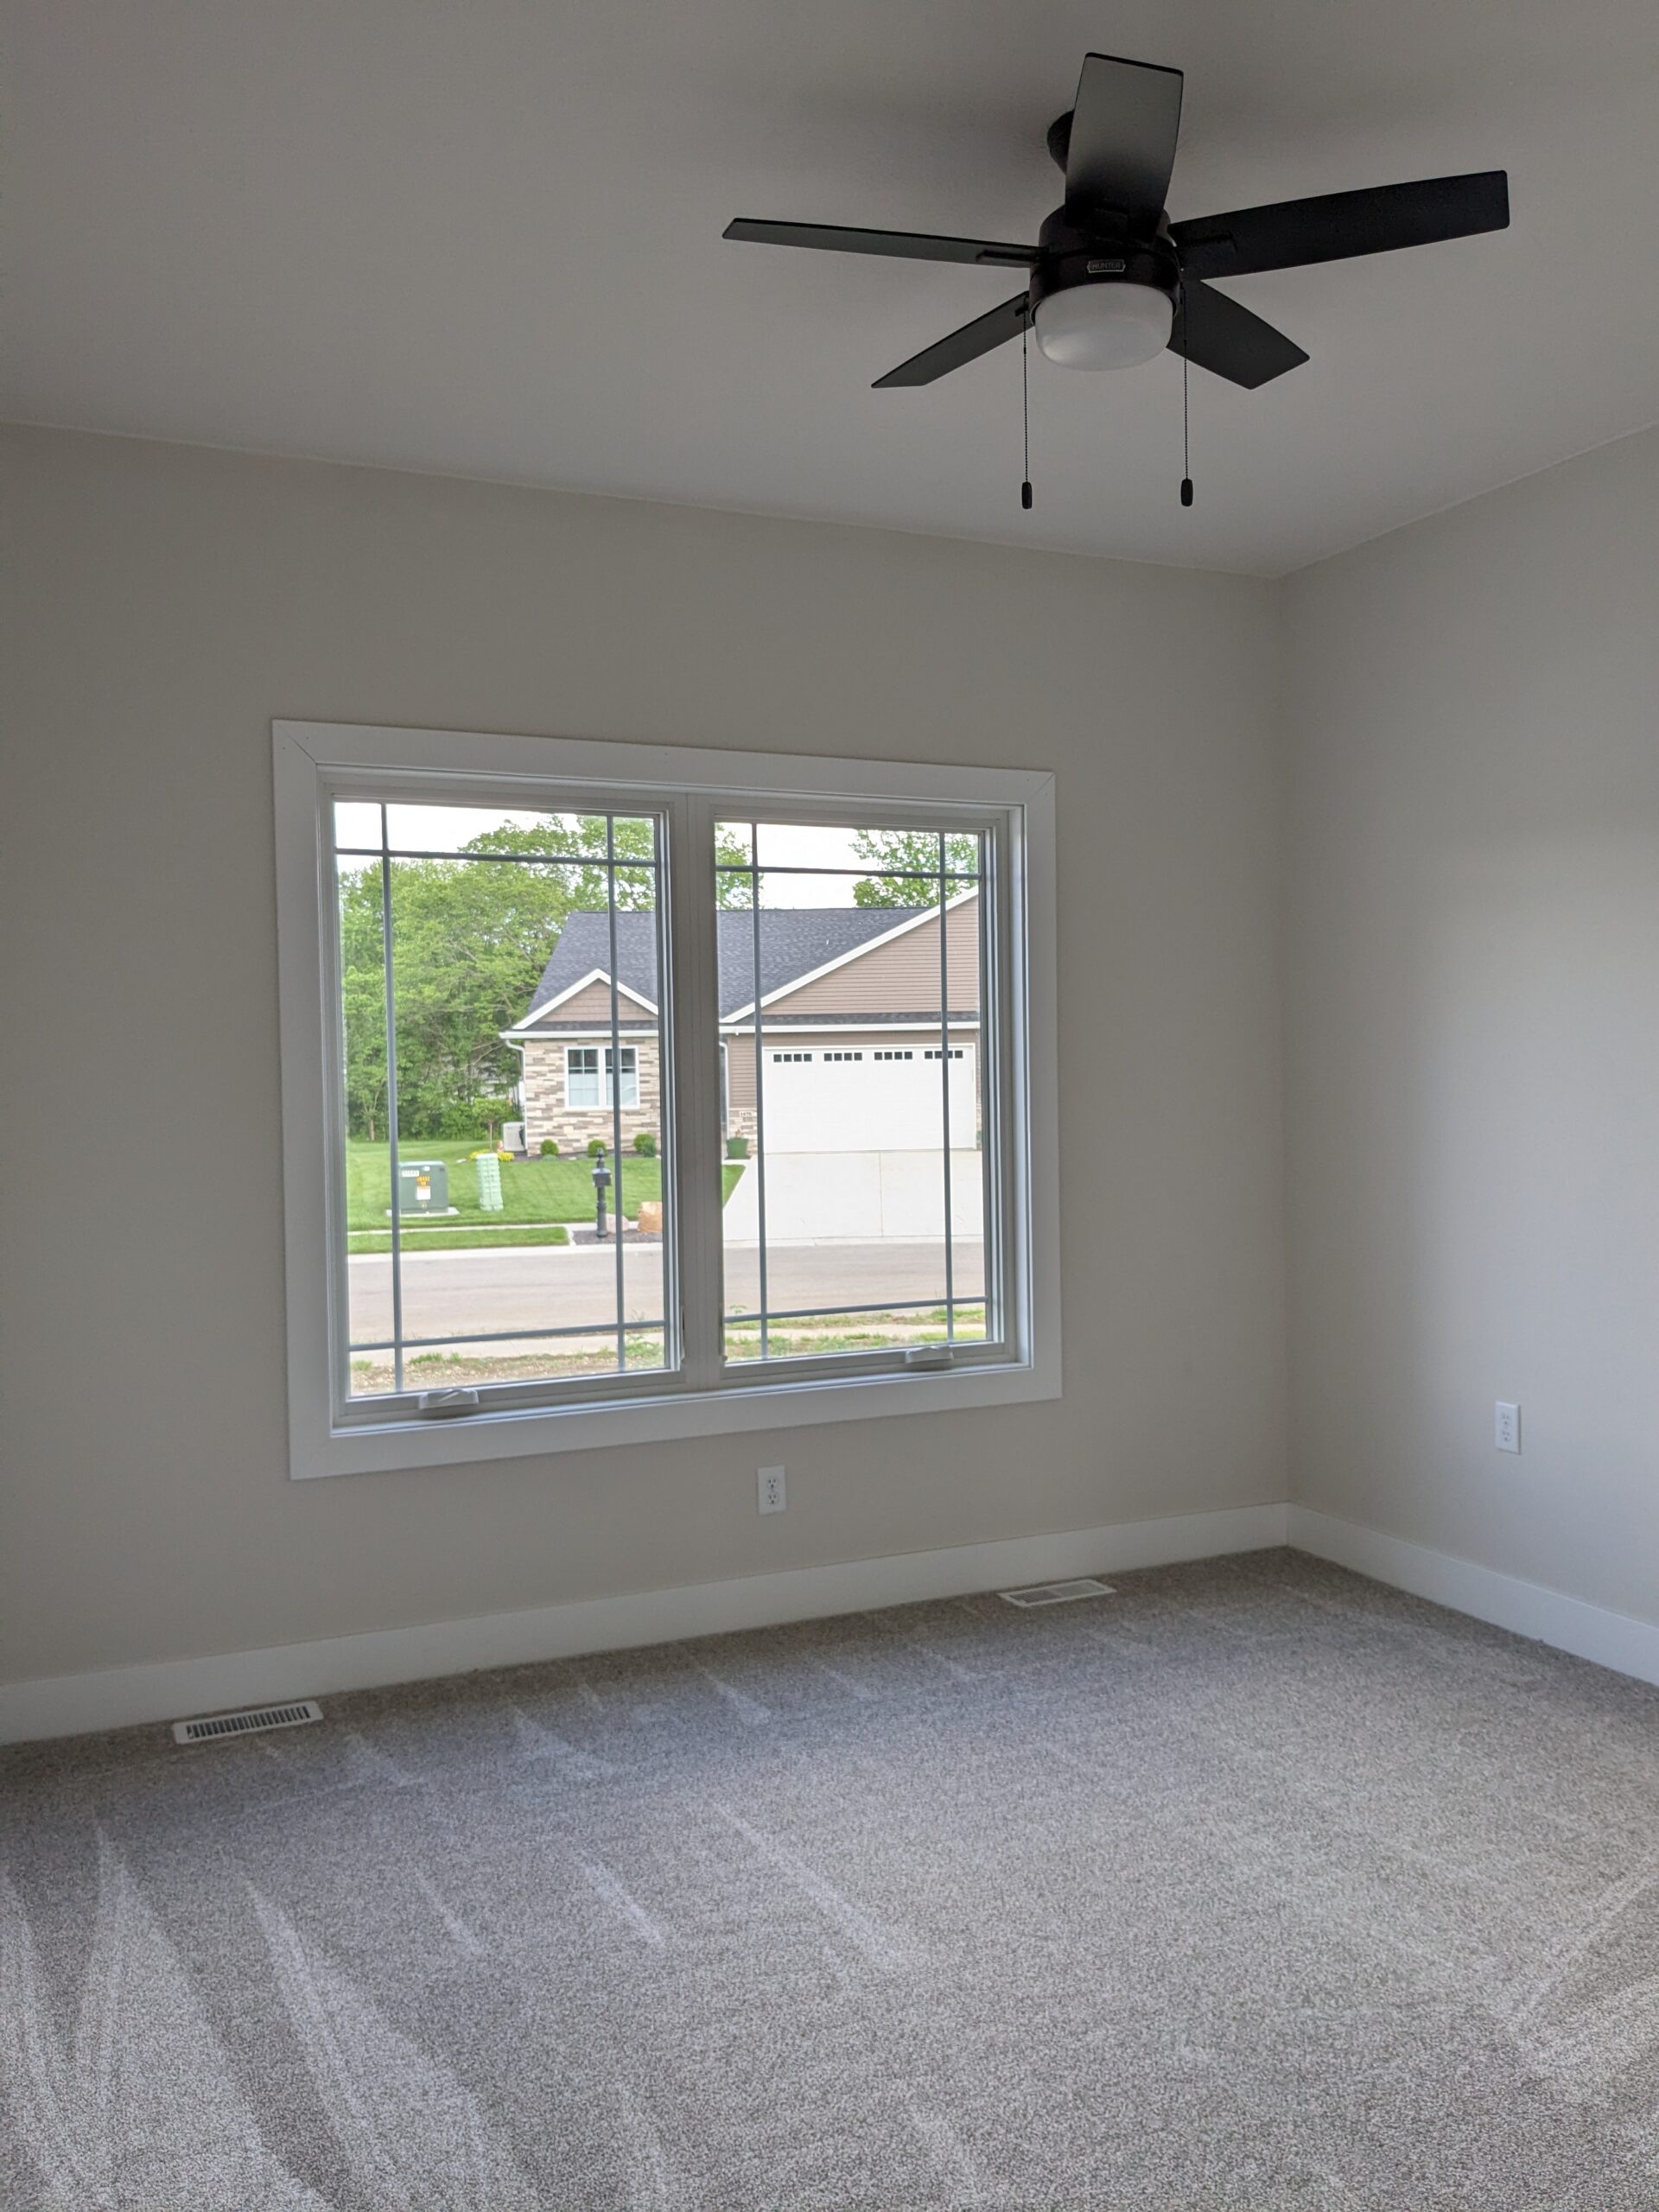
(866, 1105)
(863, 1195)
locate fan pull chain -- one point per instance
(1187, 440)
(1025, 408)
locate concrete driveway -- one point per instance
(458, 1295)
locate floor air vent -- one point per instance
(215, 1725)
(1057, 1593)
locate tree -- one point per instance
(904, 850)
(470, 939)
(363, 1004)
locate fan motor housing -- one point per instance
(1109, 254)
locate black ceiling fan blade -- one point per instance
(902, 245)
(1217, 334)
(1124, 127)
(1293, 234)
(980, 336)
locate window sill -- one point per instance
(472, 1439)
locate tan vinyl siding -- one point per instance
(593, 1003)
(901, 976)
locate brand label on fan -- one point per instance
(1107, 267)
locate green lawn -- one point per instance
(531, 1190)
(454, 1239)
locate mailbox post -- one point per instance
(602, 1182)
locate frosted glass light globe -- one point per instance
(1105, 326)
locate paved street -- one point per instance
(550, 1287)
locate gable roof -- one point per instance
(794, 942)
(904, 920)
(569, 991)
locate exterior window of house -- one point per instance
(581, 1075)
(581, 1083)
(538, 999)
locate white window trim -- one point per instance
(860, 1024)
(603, 1104)
(597, 1104)
(526, 1027)
(308, 758)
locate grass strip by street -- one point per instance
(371, 1373)
(828, 1332)
(441, 1237)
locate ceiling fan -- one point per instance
(1113, 282)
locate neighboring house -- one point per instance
(849, 1028)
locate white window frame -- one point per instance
(571, 1071)
(628, 1065)
(692, 789)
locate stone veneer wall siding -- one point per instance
(571, 1128)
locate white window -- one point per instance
(859, 1246)
(581, 1082)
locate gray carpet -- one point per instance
(1255, 1885)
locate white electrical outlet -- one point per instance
(1506, 1427)
(773, 1496)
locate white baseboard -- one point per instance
(118, 1697)
(1572, 1624)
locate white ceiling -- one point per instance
(483, 237)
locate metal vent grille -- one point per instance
(1057, 1593)
(212, 1725)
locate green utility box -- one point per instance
(489, 1184)
(422, 1186)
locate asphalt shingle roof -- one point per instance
(794, 940)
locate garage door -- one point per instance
(825, 1099)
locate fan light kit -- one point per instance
(1105, 326)
(1112, 282)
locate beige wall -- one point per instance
(1474, 1028)
(165, 604)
